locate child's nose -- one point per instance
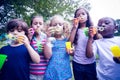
(81, 15)
(38, 25)
(103, 24)
(15, 32)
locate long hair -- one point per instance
(88, 23)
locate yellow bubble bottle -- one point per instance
(115, 51)
(68, 45)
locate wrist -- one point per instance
(91, 39)
(74, 28)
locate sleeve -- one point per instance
(95, 48)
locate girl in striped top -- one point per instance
(38, 41)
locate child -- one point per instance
(83, 68)
(19, 54)
(59, 63)
(67, 29)
(107, 68)
(38, 41)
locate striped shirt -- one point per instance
(39, 69)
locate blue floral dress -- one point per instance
(59, 64)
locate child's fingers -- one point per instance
(91, 32)
(20, 39)
(116, 59)
(51, 30)
(30, 31)
(70, 51)
(75, 21)
(42, 47)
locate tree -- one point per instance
(24, 9)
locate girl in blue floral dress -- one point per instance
(59, 63)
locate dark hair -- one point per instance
(33, 17)
(88, 23)
(15, 23)
(114, 21)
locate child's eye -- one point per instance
(60, 24)
(107, 22)
(20, 30)
(54, 24)
(35, 23)
(99, 24)
(83, 13)
(77, 15)
(12, 30)
(40, 23)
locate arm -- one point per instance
(30, 33)
(72, 35)
(89, 48)
(47, 50)
(74, 29)
(33, 54)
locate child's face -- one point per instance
(58, 25)
(108, 25)
(81, 15)
(17, 31)
(58, 29)
(37, 24)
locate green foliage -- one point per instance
(24, 9)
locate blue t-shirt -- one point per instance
(17, 65)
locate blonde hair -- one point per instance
(46, 26)
(56, 18)
(59, 19)
(67, 29)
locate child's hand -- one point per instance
(30, 31)
(92, 32)
(23, 39)
(50, 31)
(70, 51)
(116, 59)
(75, 22)
(98, 35)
